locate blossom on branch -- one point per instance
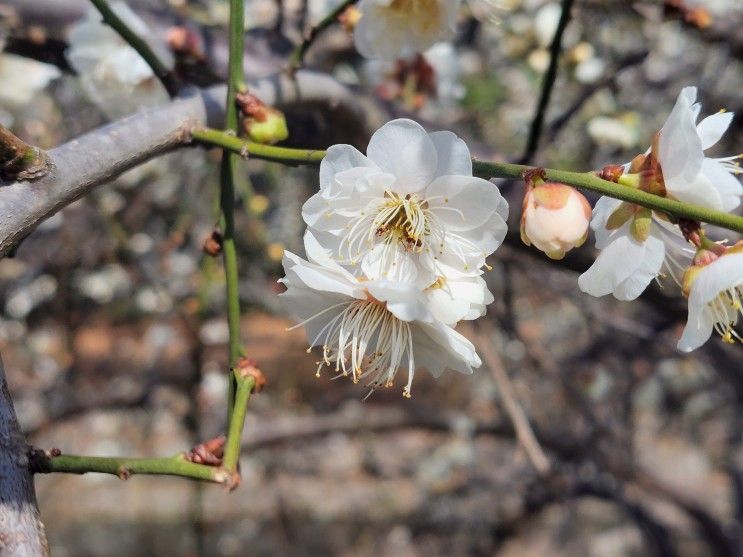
(688, 175)
(368, 329)
(714, 287)
(636, 247)
(390, 29)
(410, 210)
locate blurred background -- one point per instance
(113, 331)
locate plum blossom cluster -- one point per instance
(638, 246)
(396, 246)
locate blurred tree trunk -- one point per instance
(21, 531)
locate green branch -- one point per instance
(583, 180)
(245, 385)
(124, 467)
(296, 60)
(235, 83)
(162, 72)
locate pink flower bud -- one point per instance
(555, 218)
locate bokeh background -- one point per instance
(113, 333)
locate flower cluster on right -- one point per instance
(639, 246)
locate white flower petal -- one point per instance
(337, 159)
(389, 262)
(652, 261)
(728, 185)
(712, 128)
(402, 299)
(403, 148)
(698, 329)
(619, 261)
(718, 276)
(680, 148)
(463, 202)
(440, 347)
(453, 155)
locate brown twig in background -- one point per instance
(524, 433)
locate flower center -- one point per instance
(365, 340)
(425, 14)
(397, 221)
(726, 308)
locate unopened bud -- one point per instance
(555, 218)
(263, 124)
(213, 243)
(185, 41)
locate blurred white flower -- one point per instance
(389, 29)
(621, 131)
(635, 247)
(715, 293)
(368, 329)
(114, 76)
(688, 175)
(410, 210)
(22, 78)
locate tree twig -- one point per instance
(548, 83)
(42, 462)
(583, 180)
(524, 432)
(235, 83)
(161, 71)
(296, 60)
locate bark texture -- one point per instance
(21, 531)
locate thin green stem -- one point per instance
(296, 60)
(245, 385)
(583, 180)
(124, 467)
(162, 72)
(235, 83)
(535, 131)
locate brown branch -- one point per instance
(21, 531)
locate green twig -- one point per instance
(245, 384)
(535, 132)
(235, 84)
(124, 467)
(162, 72)
(296, 60)
(583, 180)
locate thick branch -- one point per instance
(21, 531)
(96, 158)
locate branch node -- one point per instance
(248, 367)
(19, 160)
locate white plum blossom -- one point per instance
(368, 329)
(636, 248)
(408, 210)
(390, 29)
(715, 300)
(113, 74)
(688, 175)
